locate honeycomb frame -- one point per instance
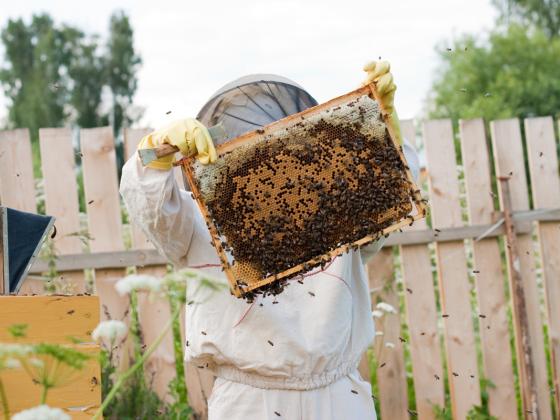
(241, 287)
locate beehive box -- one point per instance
(291, 196)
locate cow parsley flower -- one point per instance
(41, 412)
(385, 307)
(377, 314)
(110, 331)
(390, 345)
(137, 282)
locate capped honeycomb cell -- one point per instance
(289, 197)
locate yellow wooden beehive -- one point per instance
(291, 196)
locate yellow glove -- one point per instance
(189, 135)
(380, 74)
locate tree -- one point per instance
(512, 74)
(121, 67)
(86, 69)
(55, 74)
(34, 79)
(543, 14)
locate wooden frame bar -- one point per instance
(150, 257)
(419, 207)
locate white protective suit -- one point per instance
(293, 356)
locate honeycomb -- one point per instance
(284, 199)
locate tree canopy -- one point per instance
(56, 74)
(543, 14)
(513, 73)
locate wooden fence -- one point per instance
(454, 331)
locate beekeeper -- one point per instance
(293, 356)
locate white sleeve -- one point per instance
(157, 205)
(411, 157)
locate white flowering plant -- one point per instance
(41, 412)
(127, 393)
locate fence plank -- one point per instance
(61, 197)
(104, 213)
(421, 316)
(156, 312)
(545, 183)
(451, 263)
(17, 186)
(491, 295)
(508, 158)
(391, 379)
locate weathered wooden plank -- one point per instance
(104, 212)
(61, 196)
(411, 236)
(451, 263)
(421, 315)
(391, 379)
(491, 295)
(508, 158)
(161, 366)
(50, 318)
(545, 183)
(17, 187)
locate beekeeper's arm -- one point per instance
(380, 74)
(154, 201)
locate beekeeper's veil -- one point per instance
(253, 101)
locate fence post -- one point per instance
(529, 389)
(509, 161)
(488, 274)
(421, 315)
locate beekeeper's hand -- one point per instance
(379, 72)
(189, 135)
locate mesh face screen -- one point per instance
(291, 196)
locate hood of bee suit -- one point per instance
(253, 101)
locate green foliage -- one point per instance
(543, 14)
(121, 67)
(18, 330)
(34, 77)
(135, 400)
(86, 71)
(512, 74)
(55, 74)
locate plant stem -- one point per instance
(139, 363)
(44, 394)
(181, 386)
(136, 331)
(5, 407)
(135, 325)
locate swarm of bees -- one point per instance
(294, 194)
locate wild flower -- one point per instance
(112, 332)
(385, 307)
(12, 363)
(377, 314)
(390, 345)
(53, 365)
(41, 412)
(137, 282)
(10, 352)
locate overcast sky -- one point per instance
(191, 48)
